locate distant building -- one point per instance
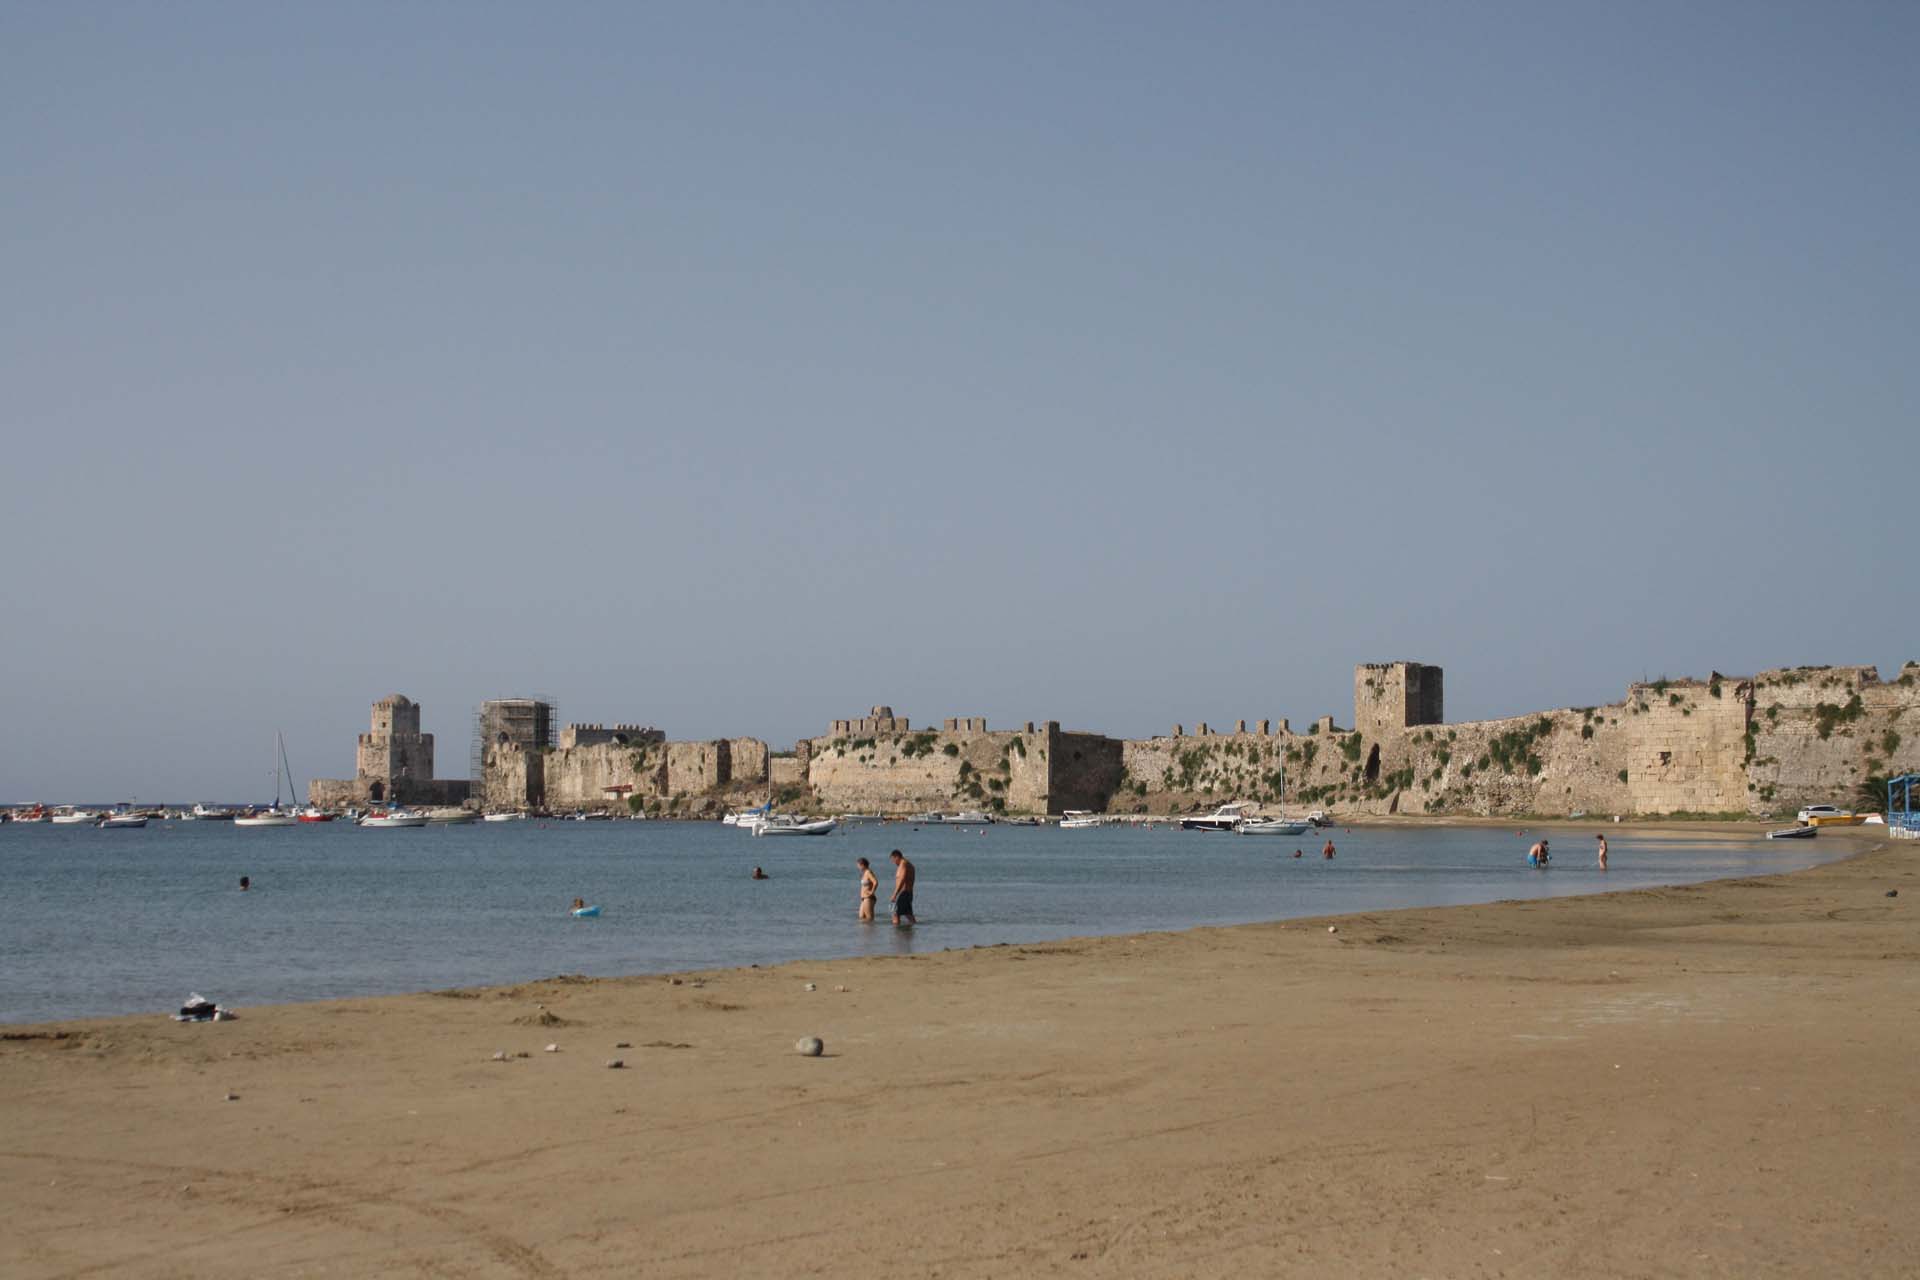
(393, 764)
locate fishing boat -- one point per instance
(121, 818)
(210, 813)
(1225, 818)
(37, 813)
(382, 818)
(1078, 819)
(275, 816)
(313, 814)
(965, 818)
(1794, 833)
(67, 816)
(517, 815)
(451, 817)
(746, 817)
(786, 825)
(1272, 827)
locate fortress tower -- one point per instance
(394, 762)
(1392, 696)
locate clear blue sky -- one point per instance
(735, 367)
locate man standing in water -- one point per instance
(1328, 851)
(902, 888)
(869, 889)
(1603, 851)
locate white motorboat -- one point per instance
(122, 820)
(965, 818)
(746, 817)
(859, 819)
(1794, 833)
(1225, 818)
(518, 815)
(205, 813)
(451, 817)
(1075, 819)
(393, 818)
(1272, 827)
(267, 818)
(72, 817)
(786, 825)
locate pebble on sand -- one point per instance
(499, 1055)
(614, 1064)
(1333, 928)
(809, 1047)
(810, 987)
(553, 1048)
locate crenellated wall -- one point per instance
(1722, 745)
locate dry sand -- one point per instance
(1709, 1081)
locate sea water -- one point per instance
(97, 922)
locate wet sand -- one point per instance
(1712, 1080)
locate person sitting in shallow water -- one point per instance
(758, 874)
(579, 904)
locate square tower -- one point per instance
(1389, 697)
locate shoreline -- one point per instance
(1707, 1079)
(1576, 864)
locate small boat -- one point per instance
(36, 814)
(206, 813)
(1319, 818)
(121, 819)
(1077, 819)
(274, 816)
(382, 818)
(69, 816)
(1225, 818)
(746, 817)
(312, 814)
(267, 818)
(519, 815)
(451, 817)
(1272, 827)
(1794, 833)
(859, 819)
(965, 818)
(586, 913)
(785, 825)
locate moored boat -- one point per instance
(517, 815)
(1225, 818)
(785, 825)
(451, 817)
(266, 818)
(122, 818)
(1272, 827)
(1077, 819)
(382, 818)
(1794, 833)
(67, 816)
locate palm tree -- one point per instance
(1871, 793)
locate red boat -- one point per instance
(311, 814)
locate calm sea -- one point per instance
(107, 922)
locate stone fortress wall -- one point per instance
(1722, 745)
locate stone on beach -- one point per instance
(614, 1064)
(809, 1047)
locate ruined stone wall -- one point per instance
(696, 767)
(618, 735)
(578, 777)
(1818, 732)
(1080, 770)
(747, 762)
(1185, 772)
(1686, 746)
(513, 777)
(905, 773)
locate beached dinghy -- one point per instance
(1793, 833)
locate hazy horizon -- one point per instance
(737, 369)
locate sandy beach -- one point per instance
(1715, 1080)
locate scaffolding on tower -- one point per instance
(529, 723)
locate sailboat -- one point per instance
(276, 816)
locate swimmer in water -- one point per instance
(758, 874)
(246, 882)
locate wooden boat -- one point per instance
(1794, 833)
